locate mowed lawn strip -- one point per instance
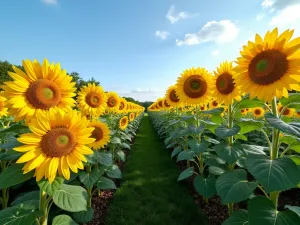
(150, 194)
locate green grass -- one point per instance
(150, 194)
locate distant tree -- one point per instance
(93, 81)
(80, 82)
(5, 66)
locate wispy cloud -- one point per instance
(222, 31)
(215, 53)
(278, 4)
(50, 2)
(286, 16)
(162, 34)
(260, 16)
(146, 94)
(174, 16)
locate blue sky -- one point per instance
(137, 47)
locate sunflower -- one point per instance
(57, 144)
(101, 134)
(297, 114)
(92, 100)
(160, 102)
(214, 104)
(3, 109)
(39, 88)
(166, 104)
(123, 123)
(203, 107)
(269, 67)
(123, 105)
(288, 112)
(194, 86)
(131, 117)
(171, 96)
(224, 81)
(258, 112)
(113, 102)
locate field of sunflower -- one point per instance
(58, 148)
(237, 130)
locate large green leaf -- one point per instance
(239, 217)
(291, 128)
(186, 155)
(254, 149)
(293, 99)
(216, 170)
(13, 128)
(33, 195)
(10, 144)
(113, 172)
(229, 153)
(198, 147)
(51, 188)
(71, 198)
(14, 175)
(248, 125)
(186, 173)
(121, 155)
(205, 186)
(233, 186)
(19, 214)
(89, 179)
(275, 175)
(261, 210)
(224, 132)
(84, 216)
(63, 220)
(8, 155)
(105, 184)
(213, 111)
(293, 142)
(104, 158)
(295, 158)
(176, 151)
(295, 209)
(247, 103)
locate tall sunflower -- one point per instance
(123, 105)
(194, 86)
(113, 102)
(166, 104)
(258, 112)
(224, 81)
(214, 104)
(269, 67)
(297, 114)
(123, 122)
(57, 144)
(3, 109)
(92, 100)
(131, 116)
(101, 134)
(39, 88)
(172, 96)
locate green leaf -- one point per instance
(20, 214)
(213, 111)
(295, 209)
(216, 170)
(115, 140)
(224, 132)
(9, 155)
(105, 184)
(216, 119)
(240, 137)
(114, 172)
(275, 175)
(51, 188)
(229, 153)
(89, 179)
(33, 195)
(247, 103)
(211, 140)
(13, 128)
(63, 220)
(104, 158)
(293, 98)
(205, 186)
(248, 125)
(255, 149)
(293, 142)
(295, 158)
(233, 186)
(84, 216)
(291, 128)
(176, 151)
(262, 211)
(126, 146)
(121, 155)
(186, 173)
(186, 155)
(14, 175)
(198, 147)
(239, 217)
(71, 198)
(12, 143)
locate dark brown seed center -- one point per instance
(93, 99)
(225, 83)
(195, 86)
(97, 133)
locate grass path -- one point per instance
(150, 194)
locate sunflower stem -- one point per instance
(4, 190)
(230, 208)
(43, 207)
(230, 123)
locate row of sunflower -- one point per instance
(238, 122)
(72, 146)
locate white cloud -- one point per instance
(260, 16)
(267, 3)
(162, 34)
(220, 32)
(286, 16)
(215, 53)
(278, 4)
(50, 2)
(146, 94)
(174, 17)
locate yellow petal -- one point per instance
(29, 155)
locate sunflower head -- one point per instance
(172, 97)
(39, 88)
(166, 104)
(3, 109)
(113, 102)
(56, 145)
(123, 105)
(258, 112)
(297, 114)
(214, 104)
(269, 67)
(131, 116)
(92, 100)
(194, 86)
(224, 81)
(123, 122)
(101, 134)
